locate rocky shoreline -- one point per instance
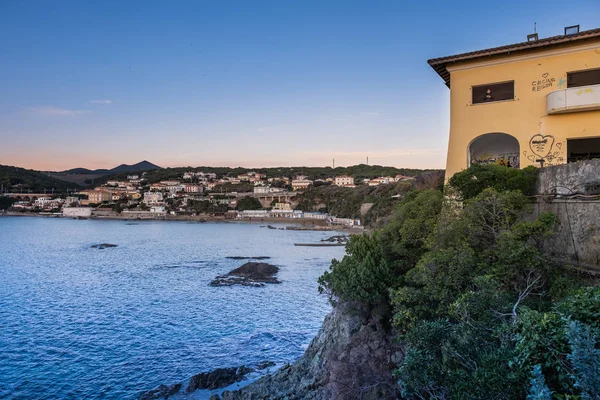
(352, 356)
(212, 380)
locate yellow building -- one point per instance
(530, 103)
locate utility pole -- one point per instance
(367, 160)
(334, 163)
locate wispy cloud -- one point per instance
(101, 101)
(51, 111)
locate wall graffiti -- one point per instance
(544, 150)
(541, 84)
(507, 159)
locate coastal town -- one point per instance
(195, 196)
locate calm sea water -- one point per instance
(84, 323)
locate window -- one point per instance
(583, 78)
(493, 92)
(583, 149)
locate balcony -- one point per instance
(582, 98)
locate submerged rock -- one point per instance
(219, 378)
(264, 365)
(248, 258)
(103, 246)
(250, 274)
(211, 380)
(336, 239)
(161, 392)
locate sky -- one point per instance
(243, 83)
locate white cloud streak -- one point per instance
(101, 101)
(51, 111)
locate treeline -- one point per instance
(476, 306)
(345, 202)
(20, 179)
(358, 171)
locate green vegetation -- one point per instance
(206, 207)
(479, 309)
(358, 171)
(346, 202)
(248, 203)
(475, 179)
(6, 202)
(20, 179)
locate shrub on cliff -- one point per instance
(478, 177)
(374, 263)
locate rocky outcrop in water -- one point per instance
(211, 380)
(248, 258)
(250, 274)
(219, 378)
(351, 358)
(161, 392)
(103, 246)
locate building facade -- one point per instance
(344, 180)
(531, 103)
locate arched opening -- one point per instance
(495, 148)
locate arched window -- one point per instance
(495, 148)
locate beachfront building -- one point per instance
(344, 180)
(531, 103)
(98, 196)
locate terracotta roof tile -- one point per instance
(439, 64)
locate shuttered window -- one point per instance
(583, 78)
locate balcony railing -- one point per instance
(584, 98)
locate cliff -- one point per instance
(351, 357)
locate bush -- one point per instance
(478, 177)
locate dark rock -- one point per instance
(214, 397)
(349, 358)
(161, 392)
(250, 274)
(248, 258)
(336, 239)
(103, 246)
(219, 378)
(271, 227)
(264, 365)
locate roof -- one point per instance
(440, 64)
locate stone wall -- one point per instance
(581, 177)
(577, 240)
(572, 192)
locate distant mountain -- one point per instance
(15, 179)
(139, 167)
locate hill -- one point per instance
(20, 179)
(139, 167)
(84, 176)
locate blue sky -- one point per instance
(250, 83)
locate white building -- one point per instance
(344, 180)
(85, 212)
(267, 190)
(153, 197)
(194, 188)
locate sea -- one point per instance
(78, 322)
